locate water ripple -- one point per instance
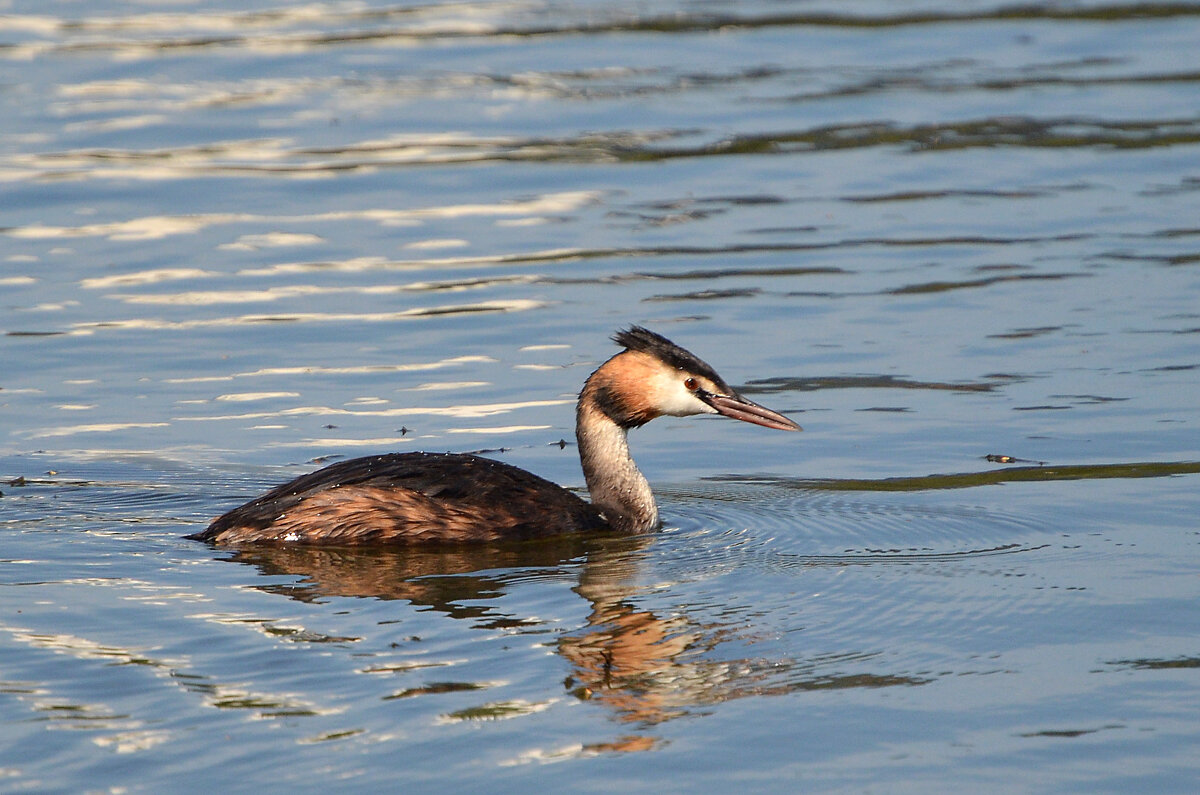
(784, 528)
(276, 157)
(145, 34)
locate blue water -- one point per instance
(238, 242)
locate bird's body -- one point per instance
(449, 498)
(409, 498)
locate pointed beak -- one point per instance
(739, 408)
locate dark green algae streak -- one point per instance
(991, 477)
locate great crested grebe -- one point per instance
(454, 498)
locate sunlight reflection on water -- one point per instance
(960, 240)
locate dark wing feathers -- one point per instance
(408, 498)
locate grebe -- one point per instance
(454, 498)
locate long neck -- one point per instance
(618, 489)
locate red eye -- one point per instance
(692, 384)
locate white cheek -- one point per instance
(675, 400)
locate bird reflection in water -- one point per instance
(643, 667)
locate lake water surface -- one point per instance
(958, 242)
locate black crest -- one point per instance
(636, 338)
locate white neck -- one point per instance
(618, 489)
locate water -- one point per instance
(238, 241)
